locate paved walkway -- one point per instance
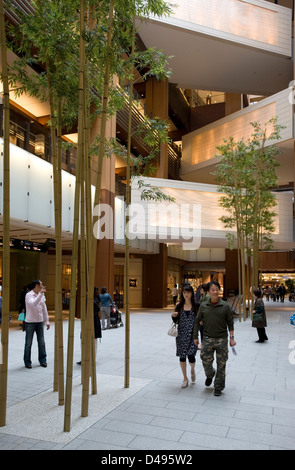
(255, 411)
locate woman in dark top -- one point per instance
(96, 319)
(259, 317)
(96, 310)
(184, 315)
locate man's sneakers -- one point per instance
(208, 380)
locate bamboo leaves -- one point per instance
(246, 174)
(81, 50)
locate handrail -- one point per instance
(174, 155)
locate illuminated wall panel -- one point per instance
(199, 147)
(254, 23)
(31, 201)
(207, 197)
(204, 144)
(31, 190)
(236, 17)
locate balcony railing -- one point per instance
(38, 143)
(138, 145)
(199, 147)
(254, 23)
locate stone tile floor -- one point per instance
(255, 412)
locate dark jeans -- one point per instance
(262, 334)
(30, 329)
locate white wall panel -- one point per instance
(68, 200)
(31, 190)
(199, 147)
(207, 197)
(40, 191)
(254, 23)
(31, 187)
(19, 184)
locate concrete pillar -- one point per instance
(157, 105)
(154, 293)
(233, 103)
(104, 274)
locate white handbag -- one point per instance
(173, 330)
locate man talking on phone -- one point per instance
(36, 316)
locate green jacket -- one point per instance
(217, 319)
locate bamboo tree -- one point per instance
(92, 257)
(263, 178)
(67, 415)
(72, 309)
(128, 199)
(246, 173)
(56, 162)
(118, 32)
(50, 29)
(104, 38)
(230, 173)
(6, 224)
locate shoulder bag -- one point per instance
(173, 330)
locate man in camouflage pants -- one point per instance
(217, 318)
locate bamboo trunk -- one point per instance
(6, 226)
(243, 279)
(72, 309)
(56, 164)
(75, 250)
(240, 282)
(127, 309)
(92, 258)
(128, 200)
(82, 269)
(78, 190)
(88, 219)
(58, 253)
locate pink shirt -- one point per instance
(36, 310)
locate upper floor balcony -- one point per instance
(236, 46)
(192, 221)
(199, 147)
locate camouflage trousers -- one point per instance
(220, 346)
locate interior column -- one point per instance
(104, 272)
(157, 106)
(154, 292)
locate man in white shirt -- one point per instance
(36, 316)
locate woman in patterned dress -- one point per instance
(184, 315)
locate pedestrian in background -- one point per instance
(175, 294)
(96, 319)
(105, 308)
(22, 306)
(259, 317)
(96, 310)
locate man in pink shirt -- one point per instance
(36, 316)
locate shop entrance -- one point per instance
(197, 278)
